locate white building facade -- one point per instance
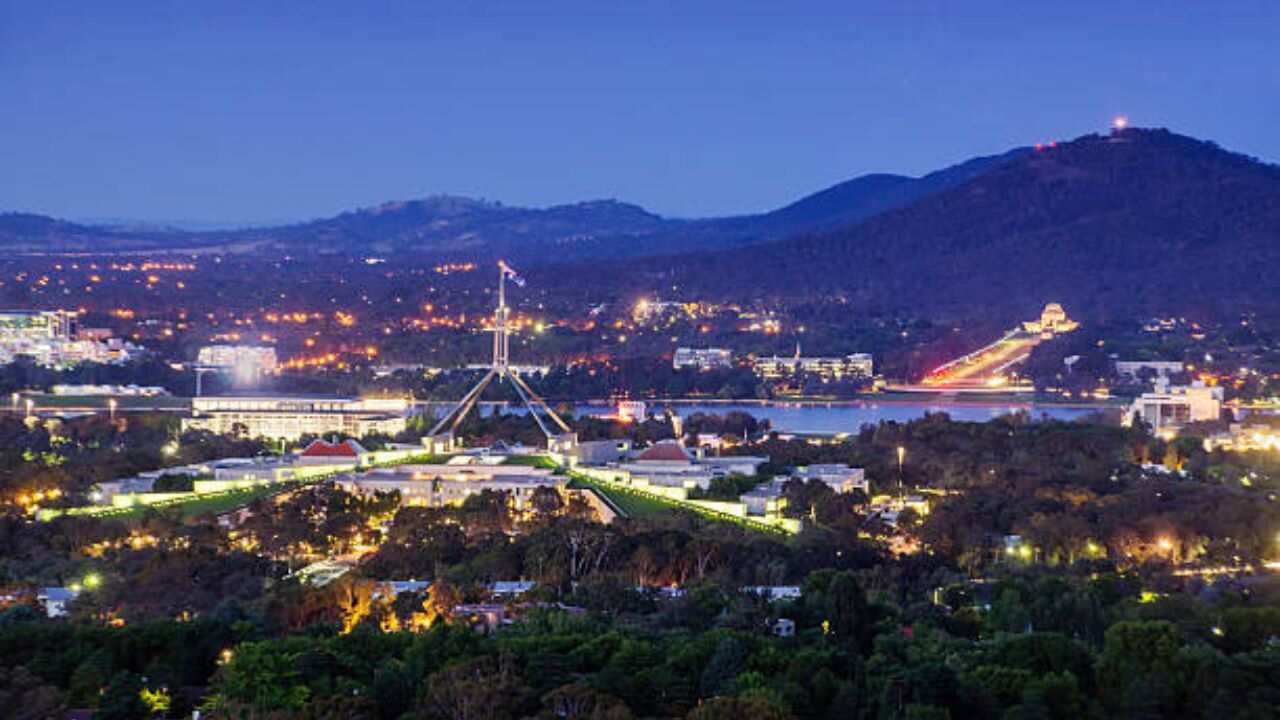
(291, 417)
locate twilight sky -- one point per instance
(257, 112)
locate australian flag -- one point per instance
(510, 273)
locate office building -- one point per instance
(289, 417)
(246, 363)
(702, 359)
(1168, 409)
(37, 324)
(51, 338)
(1133, 370)
(826, 369)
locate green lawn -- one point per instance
(637, 504)
(538, 461)
(631, 504)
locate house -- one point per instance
(784, 627)
(394, 588)
(774, 592)
(484, 618)
(511, 588)
(55, 600)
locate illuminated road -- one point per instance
(984, 368)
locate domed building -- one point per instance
(1053, 320)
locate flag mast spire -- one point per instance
(501, 369)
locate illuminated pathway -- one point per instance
(986, 367)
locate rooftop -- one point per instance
(344, 449)
(665, 450)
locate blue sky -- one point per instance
(262, 111)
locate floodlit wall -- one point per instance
(124, 500)
(728, 507)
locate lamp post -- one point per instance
(902, 455)
(30, 406)
(14, 397)
(111, 409)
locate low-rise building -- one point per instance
(1133, 370)
(701, 359)
(484, 618)
(825, 369)
(245, 361)
(840, 478)
(105, 390)
(774, 592)
(507, 589)
(54, 600)
(766, 499)
(667, 462)
(448, 485)
(1168, 409)
(289, 417)
(601, 452)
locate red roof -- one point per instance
(344, 449)
(665, 450)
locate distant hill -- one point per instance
(460, 227)
(1140, 219)
(862, 197)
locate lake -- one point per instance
(821, 418)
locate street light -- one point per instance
(30, 405)
(111, 409)
(902, 455)
(14, 397)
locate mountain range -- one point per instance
(450, 226)
(1138, 220)
(1135, 221)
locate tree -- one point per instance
(579, 702)
(546, 501)
(842, 606)
(1138, 664)
(738, 708)
(23, 696)
(484, 688)
(264, 676)
(726, 663)
(122, 699)
(442, 598)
